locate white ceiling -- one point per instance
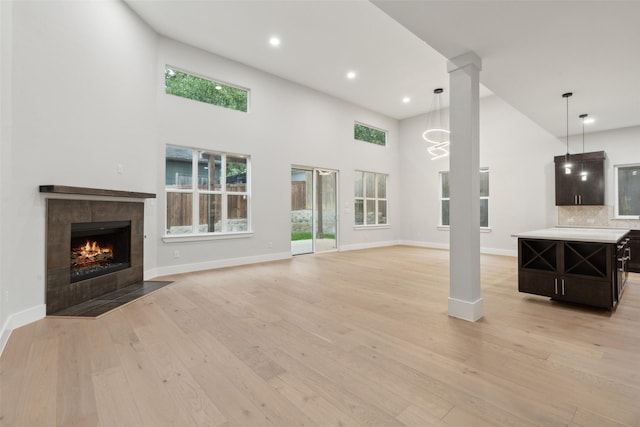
(532, 51)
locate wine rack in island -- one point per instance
(590, 273)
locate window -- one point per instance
(368, 134)
(207, 192)
(370, 198)
(627, 203)
(484, 198)
(197, 88)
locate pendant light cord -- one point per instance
(566, 96)
(583, 137)
(583, 117)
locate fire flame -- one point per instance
(91, 249)
(90, 253)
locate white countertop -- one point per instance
(596, 235)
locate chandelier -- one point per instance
(437, 133)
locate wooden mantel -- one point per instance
(63, 189)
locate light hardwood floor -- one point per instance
(339, 339)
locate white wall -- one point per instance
(287, 125)
(82, 103)
(519, 155)
(5, 145)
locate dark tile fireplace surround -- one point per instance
(67, 288)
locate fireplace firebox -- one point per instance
(99, 248)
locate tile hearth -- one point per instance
(105, 303)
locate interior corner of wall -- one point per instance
(19, 319)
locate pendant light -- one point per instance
(567, 160)
(437, 133)
(583, 171)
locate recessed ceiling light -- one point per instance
(274, 41)
(351, 75)
(589, 120)
(406, 100)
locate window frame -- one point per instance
(196, 192)
(384, 131)
(375, 198)
(211, 80)
(616, 201)
(442, 198)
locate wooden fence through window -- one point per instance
(180, 207)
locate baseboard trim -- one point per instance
(466, 310)
(429, 245)
(501, 252)
(18, 319)
(210, 265)
(358, 246)
(433, 245)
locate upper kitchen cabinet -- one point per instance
(572, 187)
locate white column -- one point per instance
(465, 301)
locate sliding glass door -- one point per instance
(314, 210)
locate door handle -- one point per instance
(555, 282)
(562, 286)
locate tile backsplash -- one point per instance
(593, 216)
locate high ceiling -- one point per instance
(532, 51)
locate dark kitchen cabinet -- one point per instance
(578, 272)
(633, 264)
(571, 189)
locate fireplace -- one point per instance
(94, 247)
(99, 248)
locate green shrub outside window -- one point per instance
(369, 134)
(192, 87)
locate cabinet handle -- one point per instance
(562, 286)
(555, 282)
(580, 199)
(575, 200)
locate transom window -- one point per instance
(370, 198)
(204, 90)
(484, 198)
(370, 134)
(627, 181)
(207, 192)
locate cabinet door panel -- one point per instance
(597, 293)
(537, 283)
(634, 263)
(591, 191)
(566, 190)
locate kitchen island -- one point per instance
(579, 265)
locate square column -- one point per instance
(465, 301)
